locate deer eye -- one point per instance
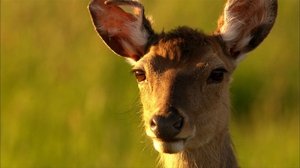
(216, 75)
(140, 75)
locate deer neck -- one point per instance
(217, 153)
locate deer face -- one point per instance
(183, 75)
(184, 90)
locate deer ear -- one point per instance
(127, 34)
(245, 24)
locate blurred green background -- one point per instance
(68, 101)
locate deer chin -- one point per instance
(169, 147)
(179, 144)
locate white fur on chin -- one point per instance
(168, 147)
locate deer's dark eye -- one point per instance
(216, 75)
(140, 75)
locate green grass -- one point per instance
(67, 101)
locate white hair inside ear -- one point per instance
(244, 24)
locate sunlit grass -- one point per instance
(67, 101)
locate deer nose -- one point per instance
(168, 126)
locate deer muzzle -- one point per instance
(166, 131)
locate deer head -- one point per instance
(183, 75)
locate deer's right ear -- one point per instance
(127, 34)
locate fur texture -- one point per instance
(245, 23)
(186, 73)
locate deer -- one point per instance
(184, 75)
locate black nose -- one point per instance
(166, 127)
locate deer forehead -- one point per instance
(184, 54)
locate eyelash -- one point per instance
(216, 76)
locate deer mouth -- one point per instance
(173, 146)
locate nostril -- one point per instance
(153, 124)
(167, 126)
(178, 123)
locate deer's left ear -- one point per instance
(245, 24)
(125, 33)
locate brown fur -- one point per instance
(218, 153)
(174, 72)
